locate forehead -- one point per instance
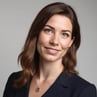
(60, 21)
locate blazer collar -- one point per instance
(60, 87)
(64, 79)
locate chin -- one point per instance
(50, 58)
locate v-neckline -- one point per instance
(49, 89)
(53, 85)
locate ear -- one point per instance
(71, 41)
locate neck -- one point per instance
(50, 70)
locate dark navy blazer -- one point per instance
(64, 86)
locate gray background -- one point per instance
(16, 17)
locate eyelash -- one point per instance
(65, 35)
(47, 30)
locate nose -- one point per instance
(54, 40)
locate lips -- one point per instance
(51, 51)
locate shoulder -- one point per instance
(81, 87)
(13, 76)
(79, 81)
(9, 87)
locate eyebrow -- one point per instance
(54, 29)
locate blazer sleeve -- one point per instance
(89, 91)
(9, 89)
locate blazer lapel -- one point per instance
(60, 88)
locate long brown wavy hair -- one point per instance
(29, 57)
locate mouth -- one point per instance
(52, 51)
(52, 48)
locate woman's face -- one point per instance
(55, 38)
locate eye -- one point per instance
(47, 30)
(65, 35)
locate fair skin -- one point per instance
(53, 43)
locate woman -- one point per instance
(48, 58)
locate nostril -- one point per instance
(54, 41)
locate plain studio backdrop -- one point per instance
(16, 17)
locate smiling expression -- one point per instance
(55, 38)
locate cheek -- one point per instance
(39, 44)
(42, 41)
(65, 44)
(64, 47)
